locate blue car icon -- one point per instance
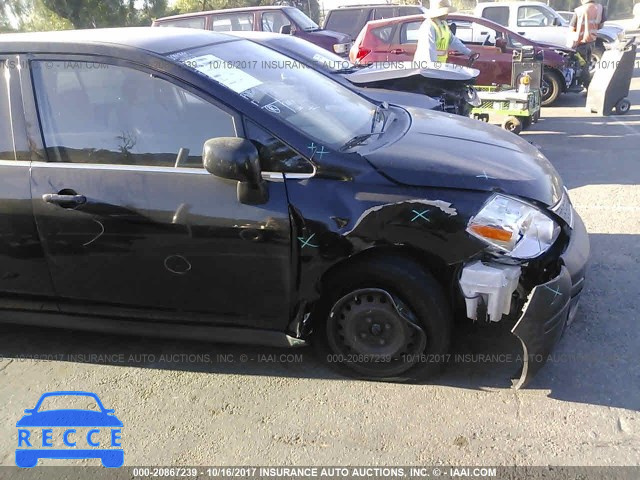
(68, 418)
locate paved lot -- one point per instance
(583, 408)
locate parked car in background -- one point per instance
(279, 19)
(395, 40)
(338, 68)
(351, 19)
(158, 164)
(541, 23)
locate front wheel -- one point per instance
(383, 318)
(512, 124)
(550, 88)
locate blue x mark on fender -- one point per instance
(306, 242)
(420, 215)
(556, 292)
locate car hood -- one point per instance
(451, 151)
(69, 418)
(330, 34)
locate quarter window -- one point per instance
(195, 22)
(274, 21)
(98, 113)
(275, 155)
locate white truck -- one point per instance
(541, 23)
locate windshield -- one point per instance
(300, 19)
(68, 402)
(303, 98)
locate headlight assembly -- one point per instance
(471, 96)
(514, 228)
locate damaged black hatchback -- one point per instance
(189, 184)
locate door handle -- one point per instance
(397, 51)
(521, 33)
(65, 201)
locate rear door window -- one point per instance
(404, 11)
(497, 14)
(409, 32)
(348, 21)
(194, 22)
(383, 12)
(232, 22)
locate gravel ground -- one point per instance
(582, 409)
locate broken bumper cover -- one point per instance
(552, 305)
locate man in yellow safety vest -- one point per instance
(585, 23)
(435, 39)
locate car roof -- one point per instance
(371, 5)
(225, 10)
(392, 20)
(156, 40)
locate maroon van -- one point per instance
(287, 20)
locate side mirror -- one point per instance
(556, 22)
(501, 43)
(286, 29)
(236, 159)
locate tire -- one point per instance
(596, 56)
(405, 355)
(512, 124)
(623, 106)
(551, 88)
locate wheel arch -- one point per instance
(558, 74)
(425, 260)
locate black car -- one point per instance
(350, 19)
(179, 182)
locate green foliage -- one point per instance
(31, 15)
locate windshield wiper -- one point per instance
(358, 140)
(379, 108)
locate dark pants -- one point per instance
(584, 49)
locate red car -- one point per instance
(395, 40)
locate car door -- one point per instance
(405, 41)
(127, 214)
(24, 268)
(493, 63)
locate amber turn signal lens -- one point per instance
(494, 233)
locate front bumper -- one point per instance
(552, 305)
